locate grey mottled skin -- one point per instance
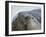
(20, 23)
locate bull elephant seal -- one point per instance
(27, 21)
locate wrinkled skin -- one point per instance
(20, 23)
(25, 23)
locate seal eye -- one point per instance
(26, 17)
